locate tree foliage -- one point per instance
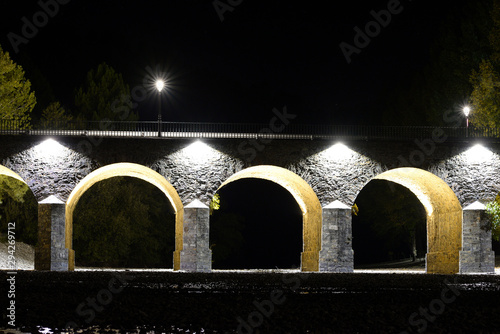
(101, 94)
(391, 220)
(16, 98)
(55, 116)
(215, 203)
(124, 222)
(18, 205)
(443, 83)
(493, 211)
(485, 97)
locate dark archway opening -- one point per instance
(124, 222)
(18, 213)
(258, 226)
(390, 228)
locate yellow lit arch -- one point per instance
(307, 201)
(444, 216)
(7, 172)
(131, 170)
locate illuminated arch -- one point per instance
(130, 170)
(7, 172)
(306, 199)
(444, 216)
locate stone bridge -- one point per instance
(324, 176)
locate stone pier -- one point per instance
(51, 253)
(196, 255)
(336, 253)
(476, 255)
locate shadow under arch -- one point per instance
(444, 216)
(131, 170)
(306, 199)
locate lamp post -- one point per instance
(466, 112)
(159, 86)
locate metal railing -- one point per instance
(151, 129)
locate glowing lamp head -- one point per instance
(466, 111)
(160, 85)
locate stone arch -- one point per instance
(306, 199)
(9, 173)
(130, 170)
(444, 216)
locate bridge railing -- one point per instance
(232, 130)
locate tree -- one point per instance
(443, 84)
(16, 98)
(493, 211)
(390, 219)
(485, 97)
(18, 204)
(39, 83)
(104, 95)
(124, 221)
(55, 116)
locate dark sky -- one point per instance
(264, 54)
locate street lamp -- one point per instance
(160, 84)
(467, 112)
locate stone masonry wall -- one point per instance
(197, 171)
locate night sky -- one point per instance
(262, 55)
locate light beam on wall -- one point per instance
(199, 152)
(478, 153)
(49, 149)
(339, 151)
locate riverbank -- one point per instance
(265, 302)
